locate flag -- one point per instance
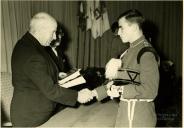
(97, 18)
(82, 15)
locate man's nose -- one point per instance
(118, 31)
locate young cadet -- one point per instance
(136, 106)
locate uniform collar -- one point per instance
(137, 42)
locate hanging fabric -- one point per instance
(97, 18)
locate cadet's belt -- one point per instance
(147, 100)
(127, 76)
(131, 107)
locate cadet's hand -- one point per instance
(114, 91)
(109, 84)
(112, 68)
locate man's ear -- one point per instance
(135, 27)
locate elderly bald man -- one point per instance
(35, 76)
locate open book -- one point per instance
(72, 80)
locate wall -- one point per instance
(165, 16)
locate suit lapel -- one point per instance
(55, 58)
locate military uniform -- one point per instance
(136, 107)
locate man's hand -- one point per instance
(84, 96)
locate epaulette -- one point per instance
(148, 48)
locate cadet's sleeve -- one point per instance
(101, 92)
(149, 77)
(36, 69)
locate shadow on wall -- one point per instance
(168, 102)
(150, 31)
(66, 39)
(63, 47)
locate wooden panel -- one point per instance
(97, 114)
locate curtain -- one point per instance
(82, 50)
(14, 23)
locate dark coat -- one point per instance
(60, 60)
(34, 77)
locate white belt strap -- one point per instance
(131, 108)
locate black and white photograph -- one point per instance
(91, 63)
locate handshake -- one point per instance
(113, 91)
(86, 95)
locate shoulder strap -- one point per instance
(147, 49)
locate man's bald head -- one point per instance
(43, 27)
(41, 21)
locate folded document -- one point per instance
(72, 80)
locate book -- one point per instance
(72, 80)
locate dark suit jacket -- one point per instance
(34, 77)
(60, 60)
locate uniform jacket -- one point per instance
(34, 77)
(144, 112)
